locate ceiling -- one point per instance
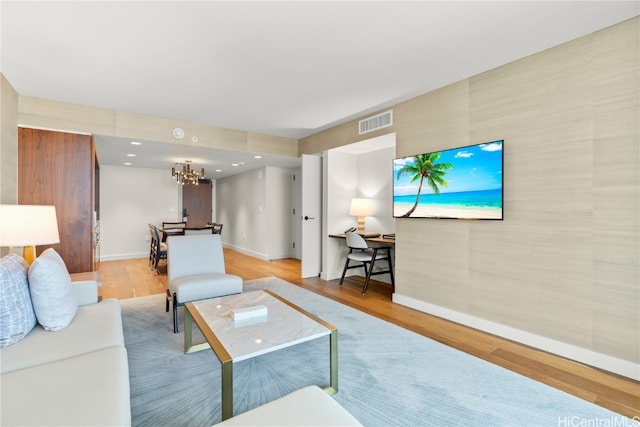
(289, 68)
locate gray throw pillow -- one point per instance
(17, 317)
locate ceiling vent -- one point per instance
(376, 122)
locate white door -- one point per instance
(311, 215)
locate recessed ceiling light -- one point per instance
(257, 157)
(136, 143)
(127, 164)
(131, 155)
(235, 164)
(218, 170)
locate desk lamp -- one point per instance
(361, 208)
(28, 226)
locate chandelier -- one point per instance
(183, 174)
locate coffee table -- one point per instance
(285, 325)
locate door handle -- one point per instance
(307, 218)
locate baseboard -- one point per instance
(569, 351)
(333, 275)
(264, 257)
(120, 257)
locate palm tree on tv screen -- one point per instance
(425, 166)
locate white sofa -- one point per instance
(309, 406)
(78, 375)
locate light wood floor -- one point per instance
(133, 278)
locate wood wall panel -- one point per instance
(57, 168)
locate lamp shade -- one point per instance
(28, 225)
(361, 207)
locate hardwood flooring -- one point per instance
(133, 278)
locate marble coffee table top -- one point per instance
(285, 324)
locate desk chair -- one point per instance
(366, 256)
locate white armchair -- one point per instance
(195, 271)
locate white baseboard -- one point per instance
(569, 351)
(333, 275)
(264, 257)
(119, 257)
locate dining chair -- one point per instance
(170, 228)
(152, 237)
(173, 224)
(365, 255)
(158, 249)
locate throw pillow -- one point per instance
(17, 318)
(54, 300)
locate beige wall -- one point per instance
(8, 142)
(561, 272)
(48, 114)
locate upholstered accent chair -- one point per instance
(196, 270)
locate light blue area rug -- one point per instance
(388, 376)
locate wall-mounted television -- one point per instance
(457, 183)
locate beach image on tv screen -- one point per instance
(460, 183)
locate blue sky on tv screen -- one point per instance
(476, 168)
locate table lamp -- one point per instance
(28, 226)
(361, 208)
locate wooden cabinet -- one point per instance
(58, 168)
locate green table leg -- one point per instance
(227, 390)
(189, 347)
(333, 363)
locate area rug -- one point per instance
(388, 376)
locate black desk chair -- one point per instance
(365, 256)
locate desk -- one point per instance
(379, 239)
(367, 258)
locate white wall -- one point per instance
(279, 213)
(375, 182)
(130, 199)
(367, 175)
(251, 205)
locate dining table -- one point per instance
(180, 231)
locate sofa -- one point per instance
(69, 368)
(309, 406)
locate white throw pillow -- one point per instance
(17, 318)
(52, 295)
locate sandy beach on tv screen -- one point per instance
(459, 212)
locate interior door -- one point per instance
(197, 200)
(311, 215)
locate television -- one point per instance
(457, 183)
